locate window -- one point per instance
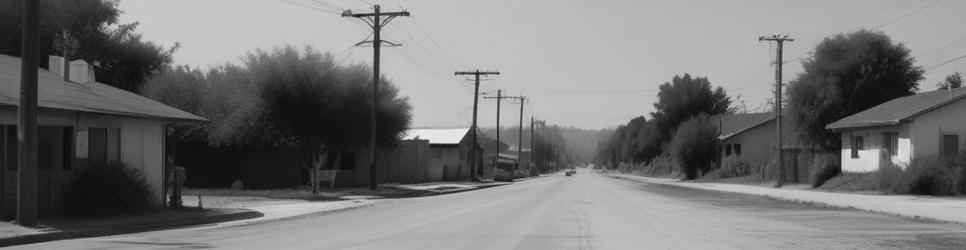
(890, 142)
(103, 145)
(856, 146)
(728, 150)
(10, 147)
(950, 145)
(737, 149)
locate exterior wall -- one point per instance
(757, 144)
(873, 151)
(140, 145)
(927, 129)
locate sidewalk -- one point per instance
(918, 207)
(60, 229)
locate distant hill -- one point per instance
(582, 143)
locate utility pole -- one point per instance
(780, 40)
(476, 95)
(27, 114)
(373, 19)
(533, 147)
(523, 99)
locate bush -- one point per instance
(890, 178)
(106, 189)
(731, 167)
(695, 146)
(824, 168)
(852, 182)
(929, 176)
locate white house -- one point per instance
(923, 125)
(81, 122)
(748, 137)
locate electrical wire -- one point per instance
(907, 14)
(321, 9)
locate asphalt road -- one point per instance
(586, 211)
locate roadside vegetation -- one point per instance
(937, 176)
(106, 189)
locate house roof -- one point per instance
(734, 124)
(55, 93)
(436, 136)
(899, 110)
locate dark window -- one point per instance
(97, 146)
(737, 149)
(728, 150)
(950, 145)
(890, 142)
(856, 146)
(68, 147)
(10, 146)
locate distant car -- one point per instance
(571, 172)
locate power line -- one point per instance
(946, 62)
(907, 15)
(420, 26)
(322, 9)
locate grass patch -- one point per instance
(853, 182)
(299, 193)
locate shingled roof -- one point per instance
(92, 97)
(734, 124)
(899, 110)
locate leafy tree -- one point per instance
(848, 73)
(695, 146)
(91, 31)
(952, 81)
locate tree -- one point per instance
(313, 104)
(848, 73)
(695, 146)
(679, 100)
(952, 81)
(91, 28)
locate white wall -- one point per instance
(871, 155)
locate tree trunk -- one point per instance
(317, 162)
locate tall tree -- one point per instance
(952, 81)
(119, 55)
(679, 100)
(848, 73)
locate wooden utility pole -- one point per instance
(27, 114)
(533, 147)
(523, 99)
(780, 40)
(373, 19)
(473, 139)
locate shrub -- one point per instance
(853, 182)
(929, 176)
(695, 145)
(731, 167)
(106, 189)
(824, 168)
(890, 178)
(660, 166)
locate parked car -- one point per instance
(571, 172)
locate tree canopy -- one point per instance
(952, 81)
(118, 53)
(845, 74)
(684, 97)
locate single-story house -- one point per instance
(81, 122)
(749, 137)
(449, 152)
(922, 125)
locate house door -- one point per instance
(950, 145)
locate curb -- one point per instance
(460, 190)
(74, 234)
(286, 218)
(812, 203)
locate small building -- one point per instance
(449, 152)
(749, 137)
(922, 125)
(80, 122)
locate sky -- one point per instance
(587, 64)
